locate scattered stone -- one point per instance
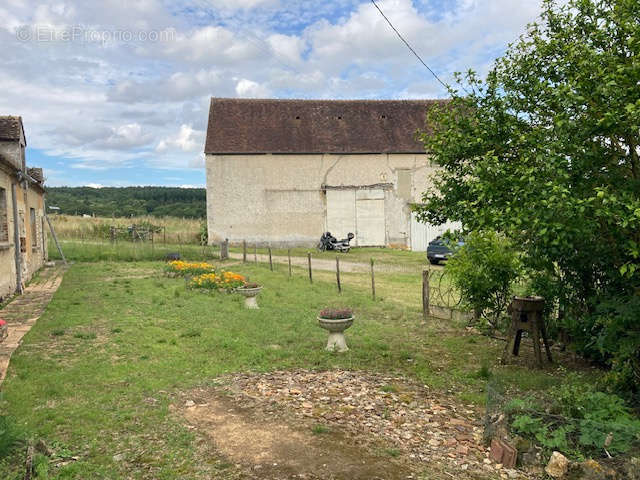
(190, 403)
(633, 468)
(425, 426)
(557, 466)
(592, 470)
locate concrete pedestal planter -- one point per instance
(336, 328)
(250, 296)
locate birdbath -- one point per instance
(336, 327)
(250, 294)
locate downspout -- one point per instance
(16, 238)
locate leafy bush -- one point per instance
(484, 270)
(578, 421)
(611, 335)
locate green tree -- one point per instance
(545, 151)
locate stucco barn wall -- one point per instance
(279, 199)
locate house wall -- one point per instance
(279, 199)
(7, 252)
(28, 196)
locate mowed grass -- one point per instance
(98, 374)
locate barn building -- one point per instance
(281, 172)
(23, 243)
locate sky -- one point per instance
(116, 93)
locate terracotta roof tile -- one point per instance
(315, 126)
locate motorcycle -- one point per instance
(329, 242)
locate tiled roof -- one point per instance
(10, 127)
(315, 126)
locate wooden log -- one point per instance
(373, 281)
(309, 262)
(270, 260)
(425, 295)
(338, 274)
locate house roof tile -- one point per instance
(315, 126)
(11, 128)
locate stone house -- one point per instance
(23, 243)
(282, 172)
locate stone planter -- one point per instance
(336, 328)
(250, 296)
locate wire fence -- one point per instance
(416, 284)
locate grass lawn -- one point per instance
(119, 343)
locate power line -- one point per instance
(410, 47)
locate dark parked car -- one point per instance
(437, 250)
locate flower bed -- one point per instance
(181, 268)
(218, 281)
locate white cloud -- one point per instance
(250, 89)
(145, 104)
(187, 140)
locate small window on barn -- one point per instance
(339, 117)
(383, 116)
(34, 228)
(4, 221)
(297, 117)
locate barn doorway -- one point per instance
(360, 211)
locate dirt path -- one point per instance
(25, 310)
(339, 425)
(330, 265)
(274, 450)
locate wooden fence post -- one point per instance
(255, 252)
(224, 249)
(425, 294)
(244, 251)
(373, 281)
(338, 274)
(289, 255)
(309, 261)
(270, 261)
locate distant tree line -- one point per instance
(129, 201)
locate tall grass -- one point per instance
(10, 435)
(177, 230)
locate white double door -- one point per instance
(360, 212)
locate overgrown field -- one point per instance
(176, 230)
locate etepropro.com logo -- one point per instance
(41, 33)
